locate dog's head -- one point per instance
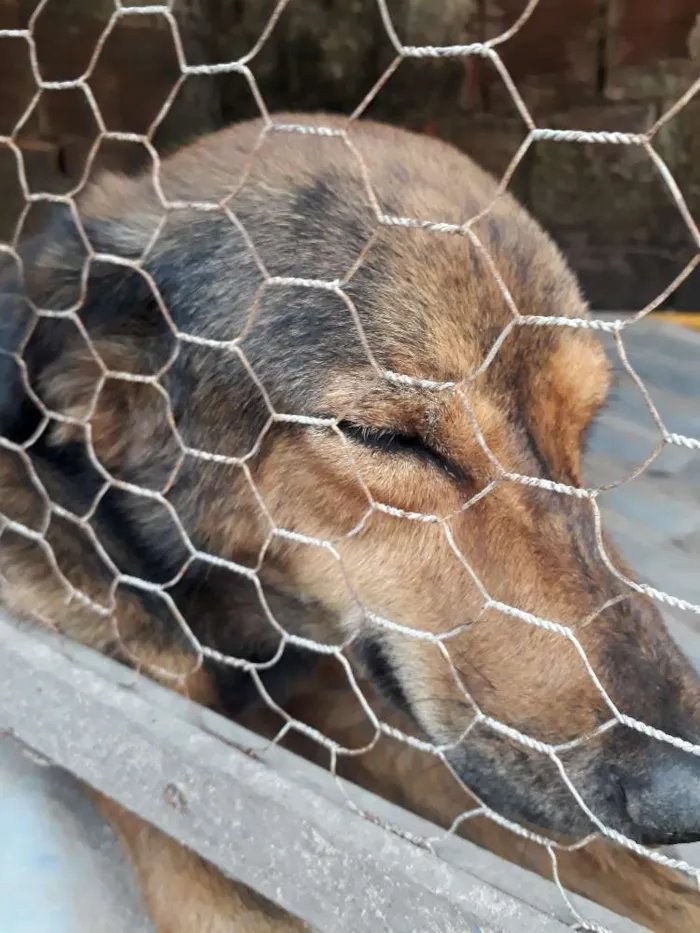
(350, 407)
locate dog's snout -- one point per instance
(662, 795)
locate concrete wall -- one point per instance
(591, 64)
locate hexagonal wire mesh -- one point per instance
(458, 390)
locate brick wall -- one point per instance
(591, 64)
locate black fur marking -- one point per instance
(542, 462)
(373, 656)
(494, 232)
(390, 442)
(236, 689)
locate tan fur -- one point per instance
(438, 310)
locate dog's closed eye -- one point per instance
(392, 442)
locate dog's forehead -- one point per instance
(437, 300)
(437, 309)
(450, 308)
(414, 294)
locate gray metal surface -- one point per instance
(277, 823)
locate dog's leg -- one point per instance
(184, 894)
(181, 892)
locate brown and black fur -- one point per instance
(194, 355)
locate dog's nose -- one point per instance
(662, 795)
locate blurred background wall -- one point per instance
(585, 64)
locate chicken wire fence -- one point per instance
(617, 329)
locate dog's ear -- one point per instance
(18, 416)
(127, 422)
(81, 342)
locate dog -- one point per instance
(299, 413)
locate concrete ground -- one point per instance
(61, 870)
(61, 866)
(655, 518)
